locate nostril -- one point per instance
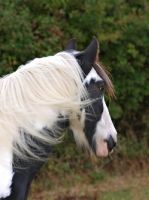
(110, 143)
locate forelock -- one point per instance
(103, 73)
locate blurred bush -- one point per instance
(30, 29)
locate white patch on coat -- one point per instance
(104, 129)
(6, 173)
(92, 75)
(77, 126)
(45, 120)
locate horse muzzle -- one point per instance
(110, 143)
(105, 146)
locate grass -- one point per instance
(119, 195)
(138, 191)
(125, 186)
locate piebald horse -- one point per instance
(40, 101)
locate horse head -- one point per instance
(94, 129)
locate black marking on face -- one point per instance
(94, 112)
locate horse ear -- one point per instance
(88, 56)
(71, 44)
(91, 51)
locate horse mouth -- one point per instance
(102, 150)
(106, 147)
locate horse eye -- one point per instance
(101, 88)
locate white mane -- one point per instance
(31, 99)
(34, 95)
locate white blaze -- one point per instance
(104, 129)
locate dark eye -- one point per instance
(101, 88)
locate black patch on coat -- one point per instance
(27, 169)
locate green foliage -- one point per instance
(97, 176)
(30, 29)
(130, 148)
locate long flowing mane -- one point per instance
(34, 94)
